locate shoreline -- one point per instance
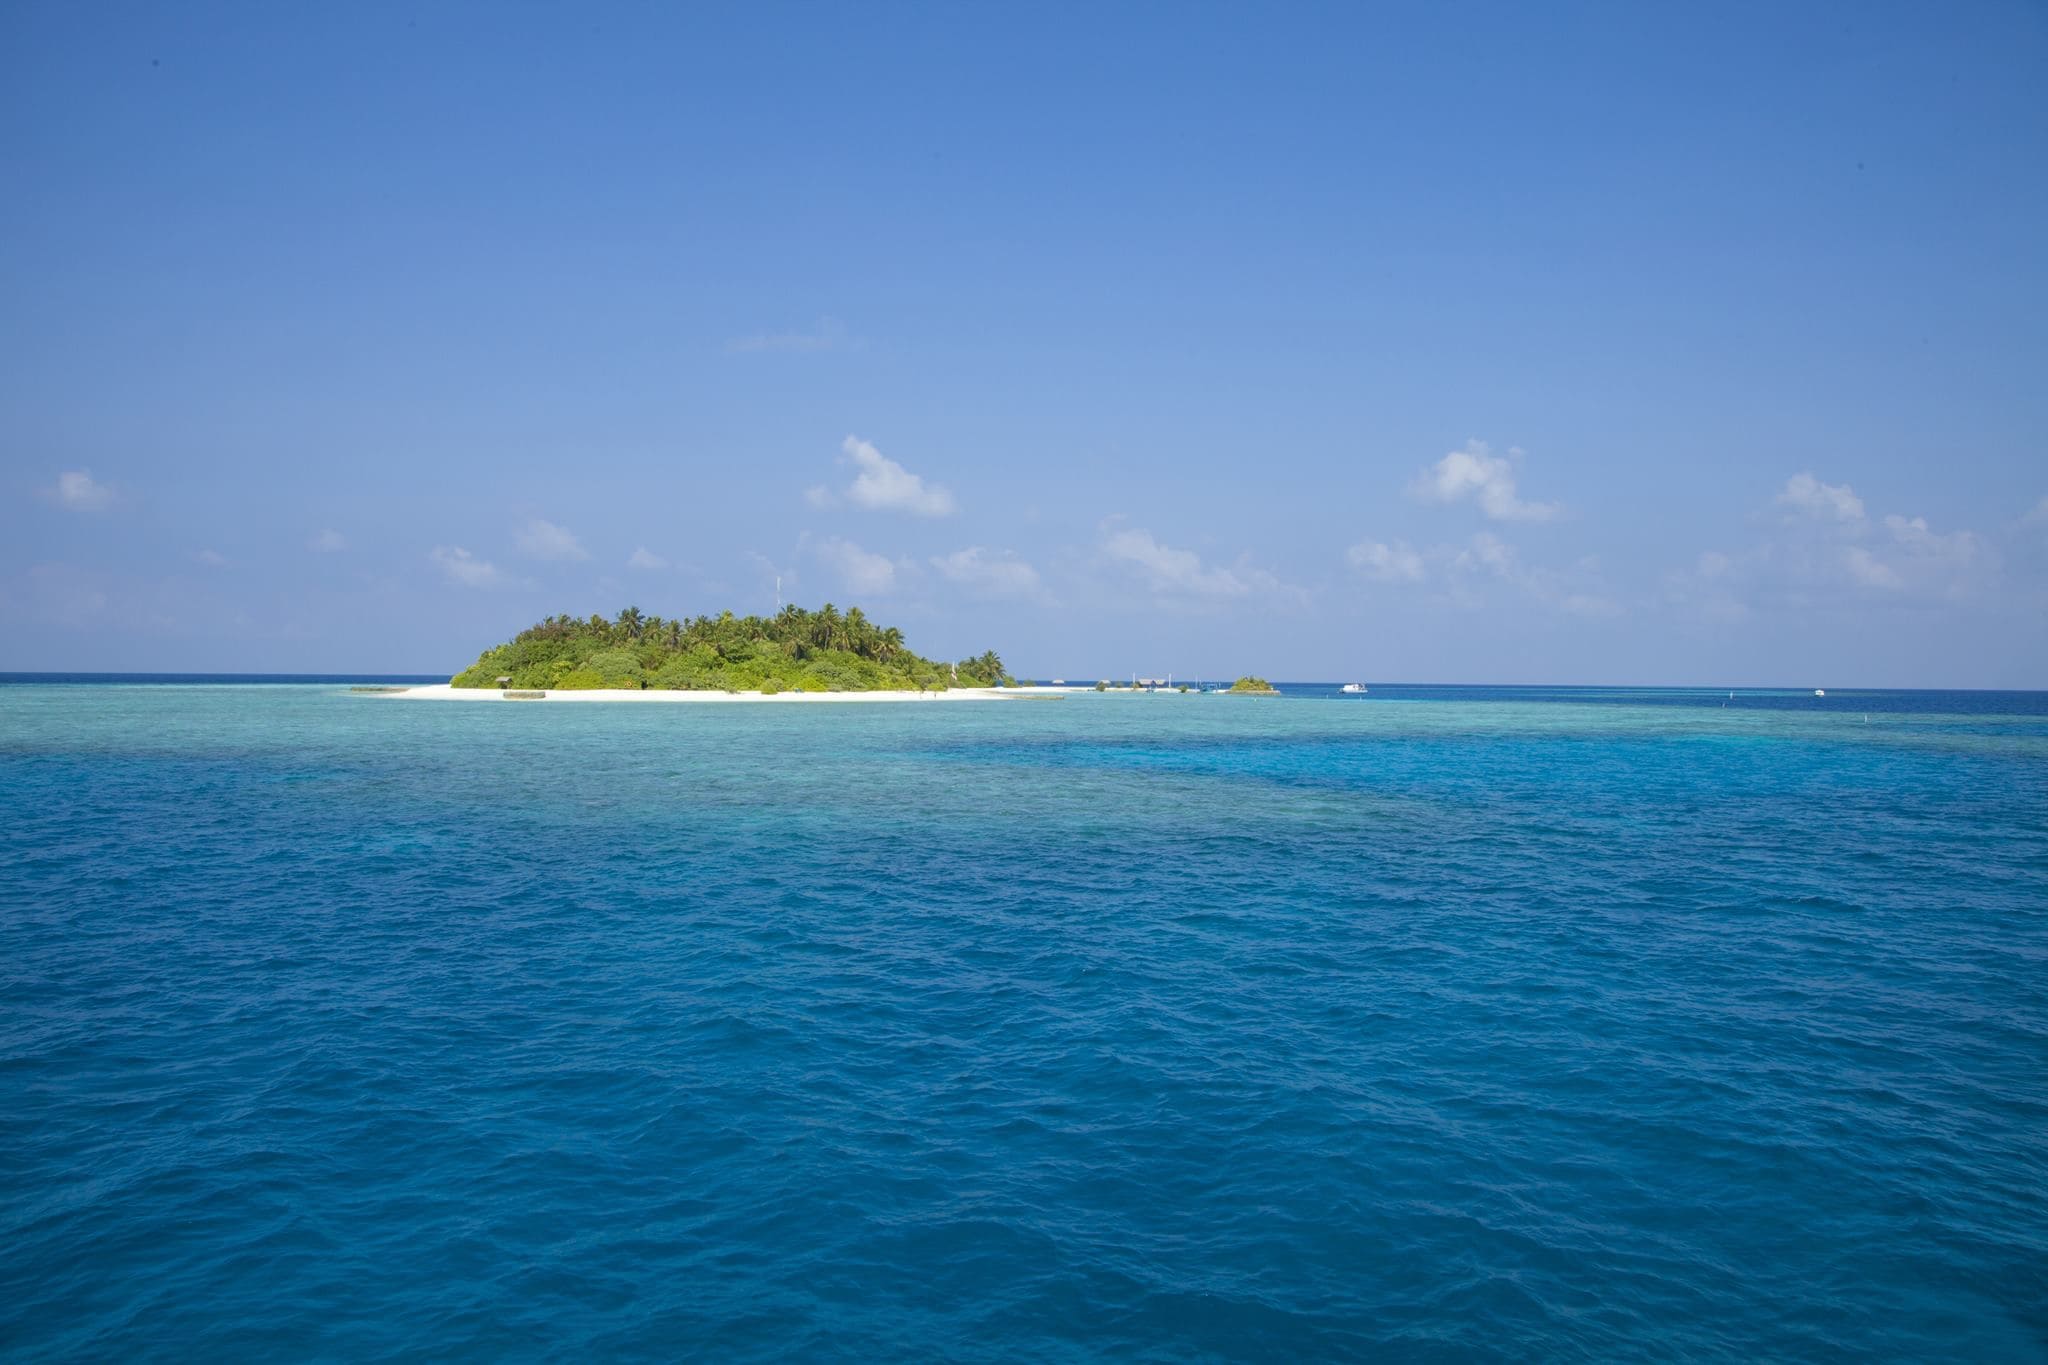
(446, 692)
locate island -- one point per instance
(1257, 687)
(792, 651)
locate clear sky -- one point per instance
(1447, 342)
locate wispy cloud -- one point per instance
(862, 571)
(644, 558)
(61, 594)
(1576, 591)
(212, 559)
(1384, 563)
(827, 334)
(1808, 496)
(545, 540)
(998, 573)
(1169, 570)
(1478, 474)
(884, 485)
(327, 542)
(1912, 537)
(1486, 553)
(1179, 575)
(72, 592)
(1822, 545)
(77, 491)
(1483, 571)
(465, 568)
(1868, 570)
(2037, 517)
(1894, 554)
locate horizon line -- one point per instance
(18, 675)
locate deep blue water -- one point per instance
(1438, 1024)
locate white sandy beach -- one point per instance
(444, 692)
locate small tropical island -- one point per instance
(792, 651)
(1257, 687)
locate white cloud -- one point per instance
(861, 570)
(1475, 472)
(1000, 573)
(1825, 501)
(884, 485)
(1914, 538)
(1578, 590)
(327, 542)
(465, 568)
(545, 540)
(76, 490)
(644, 558)
(212, 559)
(1487, 553)
(1827, 548)
(1396, 563)
(2039, 516)
(1483, 570)
(1867, 569)
(817, 495)
(1168, 570)
(828, 334)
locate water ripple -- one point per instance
(1153, 1028)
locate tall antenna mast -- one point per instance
(778, 594)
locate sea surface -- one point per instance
(1435, 1024)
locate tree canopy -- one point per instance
(1249, 684)
(794, 650)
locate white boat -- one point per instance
(1356, 688)
(1820, 691)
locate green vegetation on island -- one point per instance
(793, 651)
(1257, 686)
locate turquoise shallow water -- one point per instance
(1440, 1024)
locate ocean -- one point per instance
(1435, 1024)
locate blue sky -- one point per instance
(1633, 344)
